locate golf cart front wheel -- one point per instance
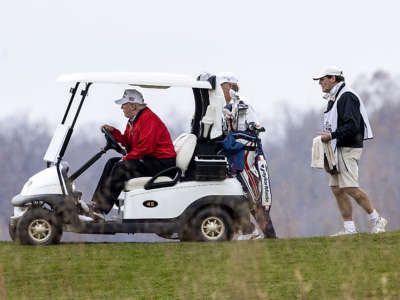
(212, 224)
(39, 226)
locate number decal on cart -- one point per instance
(150, 203)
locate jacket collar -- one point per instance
(133, 120)
(332, 94)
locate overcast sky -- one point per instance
(274, 47)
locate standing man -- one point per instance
(228, 81)
(346, 125)
(230, 88)
(149, 147)
(241, 125)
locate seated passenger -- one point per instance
(149, 147)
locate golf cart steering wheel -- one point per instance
(112, 143)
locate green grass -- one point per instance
(351, 267)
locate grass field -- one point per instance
(351, 267)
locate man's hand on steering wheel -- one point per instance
(108, 127)
(111, 142)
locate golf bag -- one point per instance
(248, 163)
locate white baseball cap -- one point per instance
(329, 71)
(227, 77)
(131, 96)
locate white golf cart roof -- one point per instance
(146, 80)
(208, 104)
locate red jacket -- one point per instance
(146, 136)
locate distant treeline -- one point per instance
(302, 202)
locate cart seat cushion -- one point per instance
(138, 183)
(184, 147)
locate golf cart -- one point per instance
(200, 203)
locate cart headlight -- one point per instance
(73, 187)
(19, 210)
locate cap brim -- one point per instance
(231, 82)
(121, 101)
(319, 76)
(322, 75)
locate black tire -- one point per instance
(186, 235)
(12, 229)
(39, 226)
(212, 224)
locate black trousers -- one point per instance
(116, 172)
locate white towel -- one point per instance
(331, 158)
(317, 153)
(319, 150)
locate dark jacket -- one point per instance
(350, 123)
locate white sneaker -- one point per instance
(88, 210)
(84, 218)
(379, 225)
(84, 206)
(255, 235)
(98, 216)
(345, 232)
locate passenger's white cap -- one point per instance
(330, 70)
(131, 96)
(227, 77)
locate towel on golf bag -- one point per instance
(234, 152)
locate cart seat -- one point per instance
(184, 147)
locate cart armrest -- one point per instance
(154, 185)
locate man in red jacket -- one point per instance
(149, 150)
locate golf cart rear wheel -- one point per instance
(39, 226)
(186, 234)
(212, 224)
